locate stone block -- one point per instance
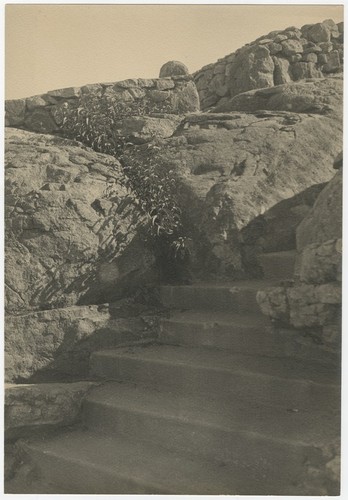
(127, 84)
(281, 71)
(36, 101)
(333, 62)
(15, 112)
(273, 302)
(310, 305)
(295, 58)
(321, 262)
(326, 47)
(310, 57)
(274, 48)
(35, 407)
(319, 33)
(303, 70)
(92, 88)
(280, 38)
(41, 121)
(164, 84)
(291, 47)
(66, 93)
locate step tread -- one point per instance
(218, 360)
(218, 317)
(286, 425)
(284, 253)
(157, 469)
(228, 285)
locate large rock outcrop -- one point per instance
(279, 57)
(73, 233)
(57, 343)
(270, 146)
(314, 95)
(236, 166)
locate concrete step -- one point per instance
(271, 440)
(238, 296)
(221, 374)
(278, 265)
(251, 334)
(87, 463)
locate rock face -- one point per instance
(313, 302)
(275, 230)
(236, 166)
(324, 222)
(58, 342)
(279, 57)
(313, 96)
(34, 407)
(144, 108)
(73, 235)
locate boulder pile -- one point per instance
(314, 51)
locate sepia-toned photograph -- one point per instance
(173, 249)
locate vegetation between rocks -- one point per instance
(150, 186)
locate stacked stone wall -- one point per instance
(312, 303)
(154, 104)
(314, 51)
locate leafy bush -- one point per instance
(152, 187)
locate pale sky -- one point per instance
(53, 46)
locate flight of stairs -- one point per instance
(221, 405)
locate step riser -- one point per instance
(269, 458)
(185, 379)
(79, 479)
(214, 299)
(252, 340)
(278, 267)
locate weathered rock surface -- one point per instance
(324, 222)
(322, 96)
(173, 68)
(58, 343)
(35, 407)
(237, 166)
(73, 234)
(275, 230)
(279, 57)
(321, 262)
(283, 144)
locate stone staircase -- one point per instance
(222, 404)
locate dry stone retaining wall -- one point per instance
(313, 302)
(280, 57)
(160, 101)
